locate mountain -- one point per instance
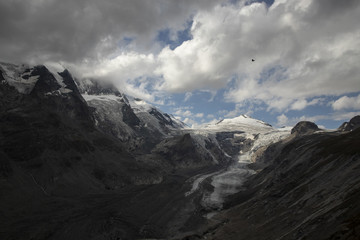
(56, 164)
(63, 149)
(81, 160)
(307, 187)
(48, 129)
(242, 139)
(353, 124)
(304, 127)
(129, 119)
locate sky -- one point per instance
(193, 58)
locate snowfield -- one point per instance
(19, 76)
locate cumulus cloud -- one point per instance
(301, 50)
(282, 120)
(199, 115)
(347, 103)
(299, 104)
(38, 30)
(184, 113)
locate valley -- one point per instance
(81, 160)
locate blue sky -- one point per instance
(193, 59)
(202, 106)
(209, 107)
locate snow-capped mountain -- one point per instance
(242, 122)
(242, 134)
(21, 77)
(67, 153)
(24, 77)
(243, 139)
(132, 120)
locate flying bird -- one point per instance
(253, 60)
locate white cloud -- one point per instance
(302, 49)
(347, 103)
(184, 113)
(86, 29)
(282, 120)
(188, 95)
(199, 115)
(299, 105)
(299, 53)
(190, 122)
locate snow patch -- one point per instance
(17, 77)
(242, 123)
(139, 105)
(107, 98)
(55, 69)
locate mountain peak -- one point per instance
(242, 122)
(304, 127)
(353, 124)
(46, 79)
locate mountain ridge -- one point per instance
(105, 165)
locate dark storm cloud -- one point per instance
(330, 7)
(71, 30)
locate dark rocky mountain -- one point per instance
(304, 127)
(353, 124)
(81, 160)
(309, 189)
(64, 176)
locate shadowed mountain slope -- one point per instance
(309, 190)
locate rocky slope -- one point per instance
(49, 132)
(80, 160)
(72, 161)
(138, 124)
(309, 190)
(353, 124)
(56, 166)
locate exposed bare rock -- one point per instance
(353, 124)
(304, 127)
(309, 190)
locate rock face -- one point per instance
(80, 160)
(50, 135)
(184, 152)
(309, 190)
(136, 123)
(68, 160)
(304, 127)
(353, 124)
